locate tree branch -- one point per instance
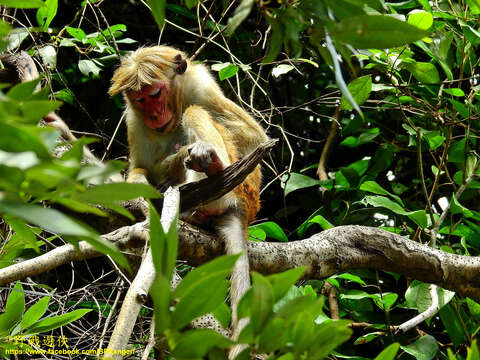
(339, 249)
(138, 292)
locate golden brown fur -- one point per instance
(202, 131)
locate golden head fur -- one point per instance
(144, 66)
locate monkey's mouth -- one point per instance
(162, 128)
(160, 123)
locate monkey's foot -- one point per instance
(202, 157)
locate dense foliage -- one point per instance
(395, 88)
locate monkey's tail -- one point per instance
(233, 229)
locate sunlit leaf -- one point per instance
(157, 7)
(240, 14)
(22, 4)
(375, 32)
(424, 348)
(46, 13)
(360, 89)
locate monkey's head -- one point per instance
(147, 80)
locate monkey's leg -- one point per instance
(137, 175)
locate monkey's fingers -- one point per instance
(202, 157)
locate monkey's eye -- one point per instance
(155, 93)
(140, 100)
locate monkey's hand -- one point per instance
(202, 157)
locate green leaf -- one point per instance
(22, 160)
(474, 6)
(195, 344)
(360, 89)
(262, 302)
(435, 140)
(425, 73)
(452, 325)
(276, 40)
(384, 301)
(203, 297)
(160, 292)
(328, 337)
(256, 234)
(191, 3)
(81, 207)
(49, 58)
(419, 216)
(273, 337)
(457, 150)
(473, 353)
(421, 19)
(366, 137)
(22, 4)
(320, 220)
(454, 92)
(457, 208)
(303, 332)
(240, 14)
(439, 57)
(424, 348)
(418, 296)
(281, 69)
(49, 219)
(272, 230)
(117, 192)
(77, 33)
(350, 277)
(34, 313)
(14, 309)
(54, 322)
(161, 255)
(369, 337)
(34, 110)
(223, 264)
(244, 307)
(223, 314)
(381, 201)
(373, 187)
(283, 281)
(46, 14)
(164, 246)
(473, 308)
(23, 231)
(301, 303)
(460, 108)
(375, 32)
(228, 72)
(24, 90)
(157, 7)
(297, 181)
(88, 67)
(388, 353)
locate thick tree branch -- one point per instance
(339, 249)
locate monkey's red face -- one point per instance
(152, 100)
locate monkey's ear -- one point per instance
(180, 64)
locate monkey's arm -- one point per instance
(171, 170)
(205, 152)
